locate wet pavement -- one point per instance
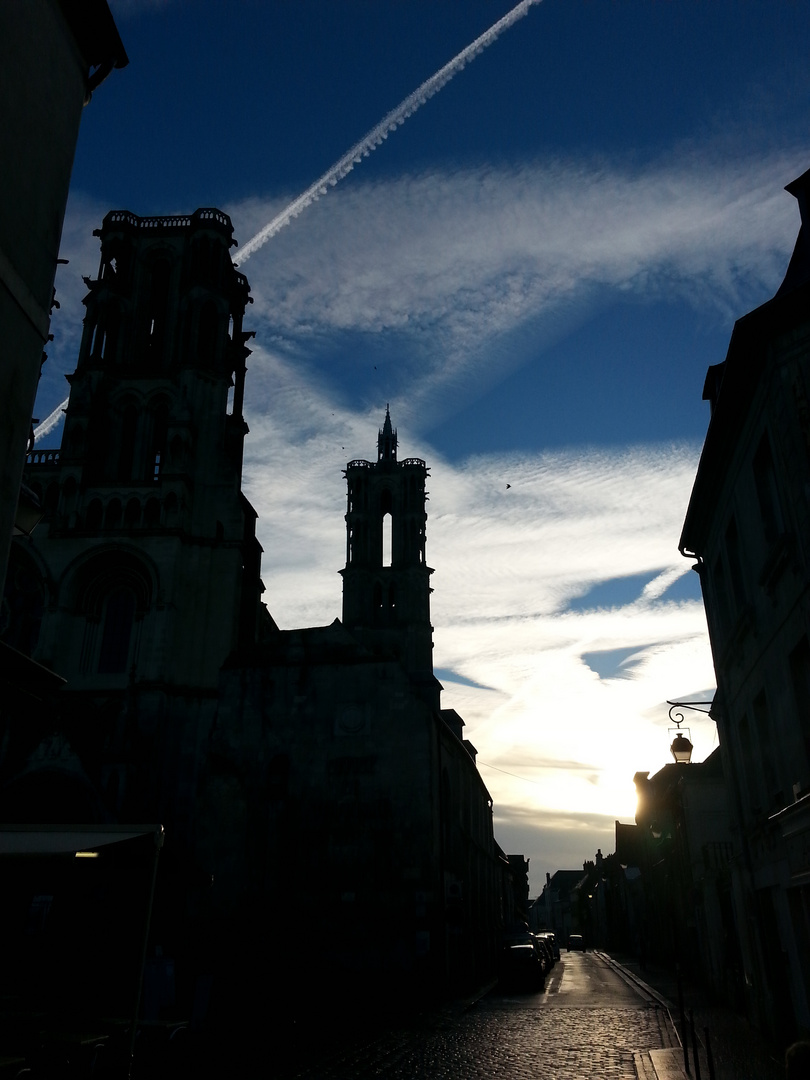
(597, 1016)
(586, 1022)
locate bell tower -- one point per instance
(143, 503)
(386, 580)
(159, 385)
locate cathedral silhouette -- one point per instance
(319, 805)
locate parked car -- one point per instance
(551, 937)
(523, 965)
(576, 941)
(548, 952)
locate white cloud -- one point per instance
(507, 562)
(445, 268)
(455, 262)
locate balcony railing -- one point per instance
(167, 221)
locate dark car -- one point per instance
(576, 941)
(550, 939)
(523, 965)
(548, 952)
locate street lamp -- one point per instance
(681, 745)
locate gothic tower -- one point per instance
(146, 566)
(386, 580)
(161, 372)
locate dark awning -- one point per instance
(62, 839)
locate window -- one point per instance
(94, 516)
(767, 492)
(735, 565)
(157, 311)
(151, 513)
(132, 514)
(767, 745)
(112, 515)
(386, 508)
(749, 773)
(159, 436)
(126, 455)
(119, 615)
(387, 530)
(114, 592)
(719, 592)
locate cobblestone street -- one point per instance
(585, 1023)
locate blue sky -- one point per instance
(535, 270)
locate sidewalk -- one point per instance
(738, 1052)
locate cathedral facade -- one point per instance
(319, 804)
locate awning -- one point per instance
(63, 839)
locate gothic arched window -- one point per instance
(157, 313)
(386, 505)
(112, 515)
(117, 621)
(132, 514)
(94, 516)
(151, 513)
(158, 437)
(129, 433)
(114, 593)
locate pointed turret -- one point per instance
(387, 440)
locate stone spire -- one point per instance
(387, 440)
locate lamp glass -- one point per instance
(681, 749)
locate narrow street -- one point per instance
(586, 1022)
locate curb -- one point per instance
(663, 1064)
(633, 980)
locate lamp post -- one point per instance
(681, 745)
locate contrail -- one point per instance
(50, 422)
(389, 123)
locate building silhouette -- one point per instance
(386, 580)
(53, 55)
(320, 807)
(747, 527)
(683, 850)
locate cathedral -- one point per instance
(319, 804)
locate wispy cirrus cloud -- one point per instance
(508, 562)
(450, 265)
(442, 270)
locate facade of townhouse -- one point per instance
(748, 528)
(52, 56)
(684, 853)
